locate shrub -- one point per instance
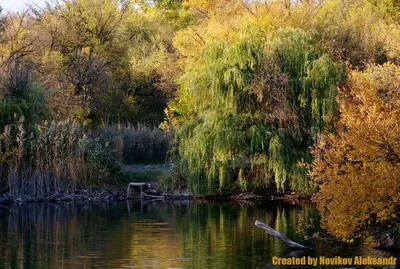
(358, 168)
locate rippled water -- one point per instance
(158, 235)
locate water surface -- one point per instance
(158, 235)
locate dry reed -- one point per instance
(140, 145)
(56, 157)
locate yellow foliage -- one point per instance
(359, 167)
(392, 41)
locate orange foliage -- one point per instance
(358, 168)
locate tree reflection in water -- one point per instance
(155, 235)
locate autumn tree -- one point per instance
(358, 167)
(104, 60)
(22, 96)
(251, 106)
(83, 49)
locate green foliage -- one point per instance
(152, 66)
(391, 7)
(143, 175)
(352, 31)
(22, 98)
(161, 4)
(259, 82)
(243, 95)
(110, 60)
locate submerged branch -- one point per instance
(282, 237)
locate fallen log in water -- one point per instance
(282, 237)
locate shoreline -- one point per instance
(120, 194)
(112, 195)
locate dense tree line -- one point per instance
(101, 60)
(298, 95)
(260, 87)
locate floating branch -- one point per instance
(282, 237)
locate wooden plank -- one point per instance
(137, 184)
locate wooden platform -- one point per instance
(141, 186)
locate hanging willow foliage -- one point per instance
(251, 107)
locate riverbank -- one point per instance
(101, 194)
(151, 174)
(120, 194)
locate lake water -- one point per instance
(159, 235)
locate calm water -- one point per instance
(157, 235)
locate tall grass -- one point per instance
(55, 157)
(39, 158)
(140, 145)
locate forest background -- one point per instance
(240, 95)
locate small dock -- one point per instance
(140, 186)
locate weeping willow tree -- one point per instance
(251, 107)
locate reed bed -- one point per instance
(55, 157)
(139, 144)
